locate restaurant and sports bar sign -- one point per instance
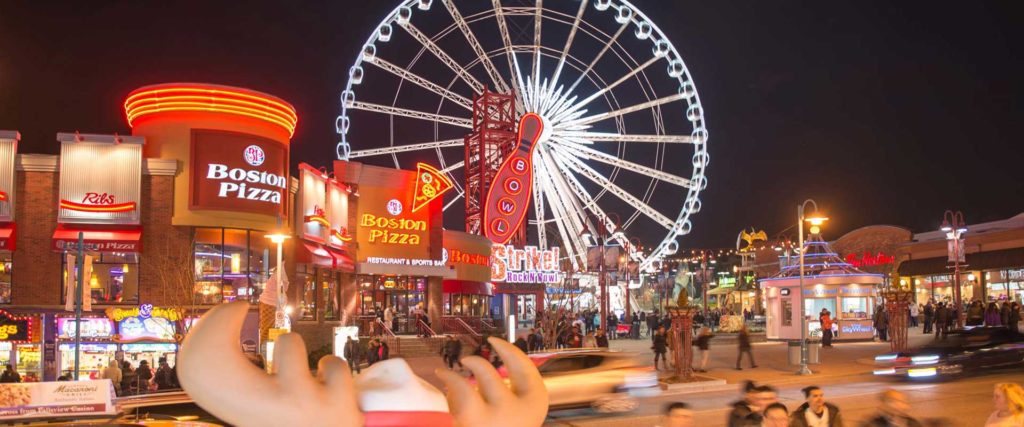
(237, 172)
(100, 179)
(56, 399)
(527, 265)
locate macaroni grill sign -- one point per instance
(237, 172)
(100, 179)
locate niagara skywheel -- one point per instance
(623, 144)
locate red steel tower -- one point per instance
(492, 140)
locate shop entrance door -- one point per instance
(526, 310)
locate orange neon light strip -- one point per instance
(319, 219)
(120, 207)
(211, 98)
(337, 235)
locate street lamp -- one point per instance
(278, 239)
(816, 220)
(954, 227)
(601, 237)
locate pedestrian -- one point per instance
(914, 311)
(539, 340)
(164, 377)
(1004, 313)
(929, 315)
(677, 414)
(825, 318)
(659, 346)
(601, 339)
(531, 340)
(1014, 317)
(881, 323)
(744, 347)
(353, 353)
(613, 325)
(634, 326)
(372, 352)
(703, 343)
(893, 412)
(745, 412)
(992, 315)
(1009, 402)
(643, 321)
(652, 323)
(454, 345)
(112, 372)
(11, 376)
(776, 415)
(589, 341)
(389, 319)
(942, 315)
(575, 339)
(128, 378)
(815, 412)
(143, 375)
(383, 352)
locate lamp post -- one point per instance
(601, 237)
(278, 239)
(815, 220)
(954, 227)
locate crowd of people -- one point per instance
(760, 407)
(356, 353)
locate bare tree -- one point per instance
(175, 274)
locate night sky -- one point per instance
(884, 112)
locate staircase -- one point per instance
(419, 347)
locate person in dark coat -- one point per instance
(652, 324)
(384, 352)
(353, 353)
(613, 325)
(164, 377)
(929, 317)
(941, 320)
(1004, 313)
(531, 341)
(744, 347)
(1014, 316)
(575, 339)
(703, 343)
(128, 378)
(143, 375)
(745, 413)
(660, 346)
(881, 323)
(521, 344)
(601, 339)
(893, 412)
(815, 411)
(372, 352)
(10, 375)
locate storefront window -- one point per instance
(114, 278)
(6, 267)
(402, 293)
(307, 294)
(939, 288)
(29, 362)
(230, 264)
(329, 293)
(1005, 285)
(93, 358)
(466, 305)
(855, 308)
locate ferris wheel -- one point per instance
(623, 127)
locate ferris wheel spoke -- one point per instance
(571, 202)
(608, 159)
(452, 202)
(423, 83)
(581, 168)
(454, 166)
(492, 71)
(387, 109)
(517, 85)
(626, 110)
(443, 56)
(579, 137)
(536, 41)
(568, 42)
(576, 106)
(406, 148)
(608, 45)
(538, 208)
(569, 228)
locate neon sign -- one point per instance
(507, 199)
(430, 184)
(97, 202)
(527, 265)
(145, 311)
(318, 216)
(15, 329)
(390, 230)
(868, 260)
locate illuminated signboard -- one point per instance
(312, 203)
(100, 179)
(145, 323)
(237, 172)
(527, 265)
(91, 328)
(8, 150)
(509, 196)
(867, 259)
(430, 184)
(15, 329)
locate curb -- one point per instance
(699, 387)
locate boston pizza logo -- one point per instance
(394, 207)
(254, 155)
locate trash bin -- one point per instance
(813, 352)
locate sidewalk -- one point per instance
(843, 359)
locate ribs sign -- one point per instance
(508, 198)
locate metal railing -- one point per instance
(389, 337)
(455, 325)
(424, 327)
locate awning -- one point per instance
(452, 286)
(991, 260)
(98, 240)
(7, 238)
(324, 256)
(721, 291)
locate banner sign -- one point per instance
(237, 172)
(91, 328)
(56, 399)
(527, 265)
(100, 179)
(144, 323)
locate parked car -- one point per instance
(963, 351)
(608, 381)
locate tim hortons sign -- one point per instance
(237, 172)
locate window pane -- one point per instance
(209, 258)
(261, 257)
(329, 292)
(114, 278)
(236, 264)
(307, 301)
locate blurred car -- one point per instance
(608, 381)
(962, 351)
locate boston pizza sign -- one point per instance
(237, 172)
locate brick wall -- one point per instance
(166, 249)
(37, 272)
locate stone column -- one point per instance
(435, 302)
